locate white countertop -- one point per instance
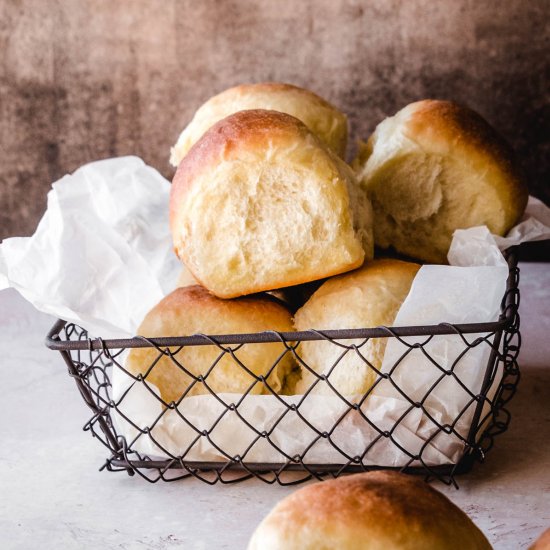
(53, 496)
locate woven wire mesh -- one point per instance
(137, 444)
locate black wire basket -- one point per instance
(94, 363)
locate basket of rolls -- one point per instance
(317, 327)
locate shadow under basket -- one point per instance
(230, 437)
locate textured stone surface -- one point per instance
(84, 80)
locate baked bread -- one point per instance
(192, 310)
(372, 511)
(435, 167)
(365, 298)
(324, 120)
(259, 203)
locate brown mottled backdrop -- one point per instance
(83, 80)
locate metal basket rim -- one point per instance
(81, 368)
(54, 342)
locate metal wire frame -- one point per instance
(91, 360)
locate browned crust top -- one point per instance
(434, 119)
(382, 502)
(196, 299)
(244, 129)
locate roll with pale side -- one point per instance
(324, 120)
(260, 203)
(192, 310)
(368, 297)
(436, 167)
(372, 511)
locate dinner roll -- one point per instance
(192, 310)
(259, 203)
(435, 167)
(365, 298)
(373, 511)
(324, 120)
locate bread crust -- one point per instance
(322, 118)
(246, 142)
(365, 298)
(449, 128)
(449, 168)
(371, 511)
(192, 310)
(225, 141)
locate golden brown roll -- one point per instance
(372, 511)
(543, 542)
(192, 310)
(435, 167)
(259, 203)
(368, 297)
(324, 120)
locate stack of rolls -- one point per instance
(263, 202)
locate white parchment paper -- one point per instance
(101, 257)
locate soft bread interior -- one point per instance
(274, 217)
(271, 219)
(420, 199)
(433, 168)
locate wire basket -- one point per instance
(94, 363)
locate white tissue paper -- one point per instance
(101, 257)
